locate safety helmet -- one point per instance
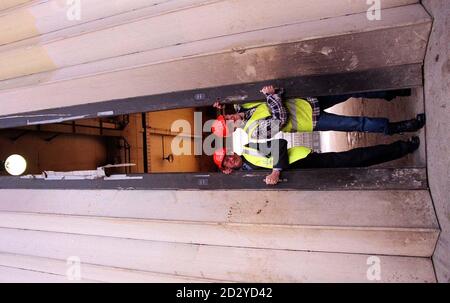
(219, 127)
(218, 157)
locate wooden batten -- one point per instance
(11, 4)
(214, 262)
(22, 268)
(384, 209)
(409, 241)
(20, 275)
(40, 22)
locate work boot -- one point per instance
(392, 94)
(413, 144)
(406, 126)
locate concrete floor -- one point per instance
(401, 108)
(437, 106)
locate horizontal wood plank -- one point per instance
(53, 22)
(353, 239)
(211, 262)
(9, 4)
(385, 209)
(42, 21)
(19, 267)
(20, 275)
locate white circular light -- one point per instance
(15, 165)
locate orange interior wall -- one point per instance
(63, 153)
(163, 120)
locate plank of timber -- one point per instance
(403, 76)
(92, 272)
(8, 4)
(303, 179)
(382, 48)
(153, 48)
(383, 209)
(215, 262)
(53, 24)
(367, 240)
(19, 275)
(44, 21)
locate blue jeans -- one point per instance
(327, 121)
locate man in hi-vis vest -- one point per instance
(256, 126)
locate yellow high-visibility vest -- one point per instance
(300, 120)
(256, 158)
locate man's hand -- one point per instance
(218, 105)
(273, 178)
(268, 90)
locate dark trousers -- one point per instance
(327, 121)
(358, 157)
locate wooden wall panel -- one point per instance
(256, 236)
(43, 21)
(47, 20)
(407, 15)
(328, 208)
(183, 26)
(20, 275)
(7, 4)
(225, 69)
(20, 266)
(381, 48)
(351, 239)
(212, 262)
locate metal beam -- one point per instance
(391, 77)
(307, 179)
(73, 128)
